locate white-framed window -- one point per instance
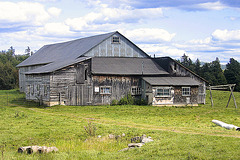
(163, 92)
(186, 91)
(115, 39)
(135, 90)
(105, 90)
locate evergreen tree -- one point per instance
(232, 73)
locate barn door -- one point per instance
(80, 95)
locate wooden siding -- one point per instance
(37, 87)
(119, 86)
(22, 77)
(109, 49)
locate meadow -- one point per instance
(178, 132)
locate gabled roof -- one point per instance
(126, 66)
(171, 81)
(60, 52)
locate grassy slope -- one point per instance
(178, 132)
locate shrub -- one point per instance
(140, 101)
(90, 129)
(114, 102)
(126, 100)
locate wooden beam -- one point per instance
(211, 95)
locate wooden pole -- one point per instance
(211, 95)
(229, 99)
(231, 88)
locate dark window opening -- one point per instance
(86, 73)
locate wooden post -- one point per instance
(229, 98)
(231, 88)
(211, 95)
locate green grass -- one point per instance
(178, 132)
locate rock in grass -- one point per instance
(135, 144)
(37, 149)
(111, 136)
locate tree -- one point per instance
(232, 73)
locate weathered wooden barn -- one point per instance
(98, 69)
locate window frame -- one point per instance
(186, 91)
(166, 92)
(136, 90)
(103, 90)
(115, 39)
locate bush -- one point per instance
(114, 102)
(140, 102)
(126, 100)
(90, 129)
(129, 100)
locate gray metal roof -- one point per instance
(60, 52)
(126, 66)
(171, 81)
(56, 65)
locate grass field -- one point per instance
(178, 132)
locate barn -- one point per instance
(99, 69)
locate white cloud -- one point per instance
(162, 50)
(106, 15)
(55, 29)
(25, 14)
(54, 11)
(149, 35)
(212, 5)
(226, 35)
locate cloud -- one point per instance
(226, 35)
(149, 35)
(181, 4)
(114, 16)
(54, 11)
(24, 14)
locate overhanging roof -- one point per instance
(171, 81)
(126, 66)
(56, 65)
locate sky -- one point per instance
(201, 29)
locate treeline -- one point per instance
(8, 70)
(213, 73)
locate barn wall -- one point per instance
(22, 77)
(109, 49)
(176, 97)
(70, 87)
(179, 99)
(119, 87)
(177, 70)
(38, 87)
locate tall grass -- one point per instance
(178, 132)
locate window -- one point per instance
(86, 74)
(186, 91)
(135, 90)
(28, 89)
(164, 92)
(38, 89)
(46, 89)
(115, 39)
(32, 89)
(105, 90)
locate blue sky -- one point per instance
(203, 29)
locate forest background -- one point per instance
(212, 71)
